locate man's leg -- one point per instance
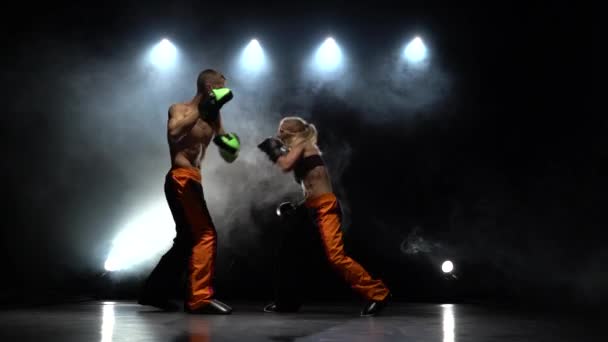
(290, 264)
(204, 248)
(166, 275)
(161, 282)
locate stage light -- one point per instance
(415, 51)
(142, 237)
(164, 54)
(328, 56)
(447, 266)
(253, 58)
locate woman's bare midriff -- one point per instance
(316, 183)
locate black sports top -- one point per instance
(306, 164)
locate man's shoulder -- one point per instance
(177, 108)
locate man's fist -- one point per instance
(210, 108)
(229, 146)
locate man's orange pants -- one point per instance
(195, 244)
(327, 217)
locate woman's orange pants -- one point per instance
(327, 219)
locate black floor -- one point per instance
(127, 321)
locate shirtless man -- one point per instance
(190, 128)
(295, 149)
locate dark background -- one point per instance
(497, 162)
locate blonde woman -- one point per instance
(295, 149)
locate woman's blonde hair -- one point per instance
(293, 130)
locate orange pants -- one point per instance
(194, 247)
(327, 220)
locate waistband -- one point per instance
(318, 201)
(186, 172)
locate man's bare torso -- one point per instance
(189, 151)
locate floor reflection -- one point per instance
(107, 321)
(127, 321)
(448, 322)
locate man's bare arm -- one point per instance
(180, 123)
(218, 126)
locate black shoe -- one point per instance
(163, 304)
(372, 307)
(273, 307)
(215, 307)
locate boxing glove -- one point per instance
(273, 148)
(286, 209)
(229, 146)
(210, 108)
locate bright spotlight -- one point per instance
(329, 55)
(164, 54)
(142, 237)
(447, 266)
(415, 51)
(252, 58)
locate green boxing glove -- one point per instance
(210, 109)
(229, 146)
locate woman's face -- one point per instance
(288, 131)
(281, 133)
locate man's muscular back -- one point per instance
(188, 135)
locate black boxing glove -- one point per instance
(210, 108)
(273, 147)
(286, 209)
